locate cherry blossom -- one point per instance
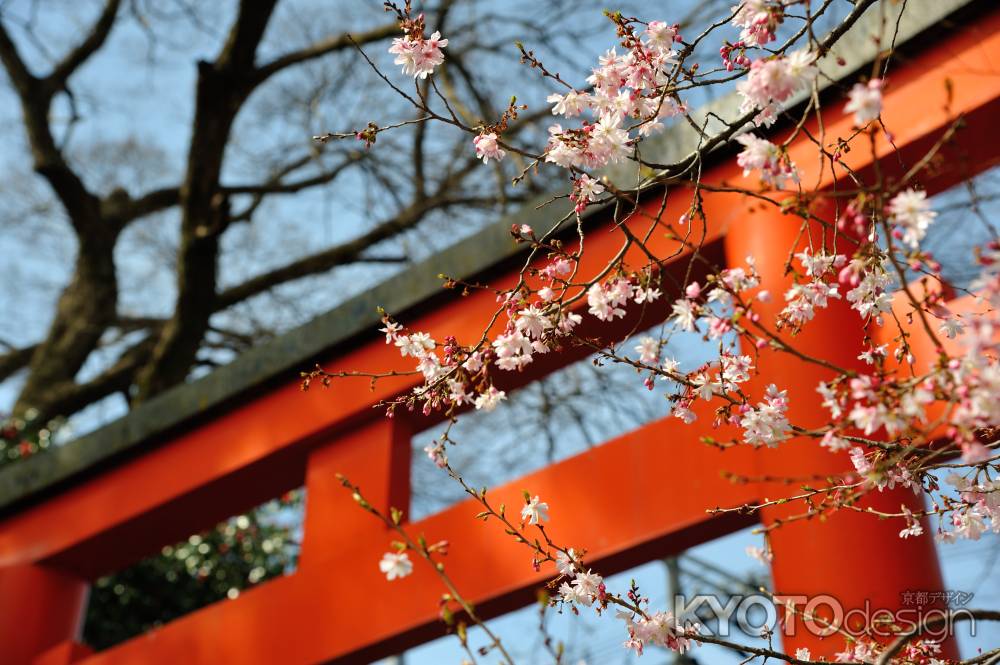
(606, 300)
(761, 554)
(704, 386)
(772, 81)
(818, 264)
(735, 370)
(585, 190)
(685, 414)
(416, 345)
(766, 424)
(390, 329)
(535, 511)
(903, 404)
(659, 629)
(803, 300)
(572, 593)
(435, 452)
(968, 522)
(418, 56)
(685, 313)
(571, 104)
(834, 443)
(761, 155)
(513, 350)
(952, 327)
(913, 527)
(865, 101)
(911, 214)
(648, 349)
(661, 36)
(532, 322)
(488, 148)
(488, 400)
(647, 294)
(860, 461)
(565, 562)
(584, 588)
(870, 297)
(395, 565)
(759, 19)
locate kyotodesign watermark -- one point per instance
(824, 615)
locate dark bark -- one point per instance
(222, 88)
(14, 360)
(87, 305)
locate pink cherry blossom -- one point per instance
(772, 81)
(865, 101)
(488, 148)
(571, 104)
(767, 424)
(488, 400)
(910, 212)
(759, 20)
(535, 511)
(418, 56)
(761, 155)
(648, 349)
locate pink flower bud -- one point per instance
(849, 277)
(693, 290)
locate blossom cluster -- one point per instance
(758, 19)
(633, 86)
(660, 629)
(881, 418)
(417, 55)
(980, 501)
(767, 424)
(911, 216)
(865, 101)
(772, 81)
(761, 155)
(586, 588)
(865, 650)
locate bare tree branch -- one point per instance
(69, 396)
(342, 254)
(93, 41)
(87, 304)
(325, 47)
(125, 210)
(36, 99)
(15, 360)
(276, 186)
(223, 87)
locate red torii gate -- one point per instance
(279, 438)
